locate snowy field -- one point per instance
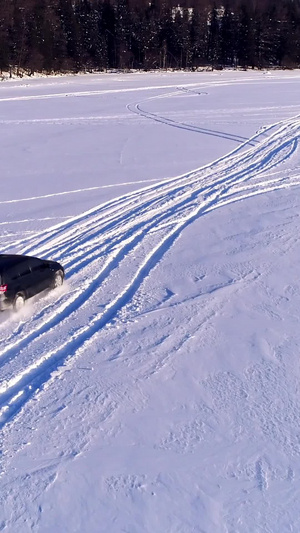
(159, 390)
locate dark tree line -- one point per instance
(64, 35)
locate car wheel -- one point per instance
(58, 279)
(19, 302)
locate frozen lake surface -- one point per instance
(158, 391)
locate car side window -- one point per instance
(24, 270)
(40, 268)
(4, 278)
(9, 275)
(35, 268)
(36, 265)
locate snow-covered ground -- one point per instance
(159, 390)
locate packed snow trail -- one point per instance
(108, 251)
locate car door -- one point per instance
(12, 280)
(25, 280)
(40, 275)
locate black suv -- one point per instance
(22, 277)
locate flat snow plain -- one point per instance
(159, 390)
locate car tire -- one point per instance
(19, 302)
(58, 279)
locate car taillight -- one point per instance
(3, 288)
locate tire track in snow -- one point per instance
(79, 297)
(153, 199)
(183, 125)
(122, 229)
(116, 205)
(165, 209)
(23, 385)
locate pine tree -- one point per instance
(107, 29)
(70, 43)
(245, 38)
(228, 38)
(213, 42)
(5, 18)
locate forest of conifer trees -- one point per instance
(74, 35)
